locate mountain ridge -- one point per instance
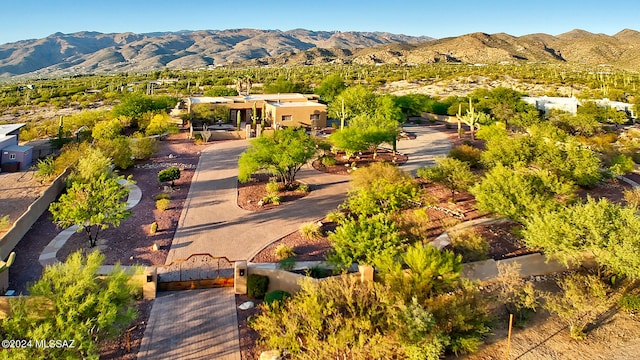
(90, 51)
(94, 52)
(577, 47)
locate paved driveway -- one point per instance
(211, 221)
(192, 324)
(428, 144)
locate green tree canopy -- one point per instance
(381, 188)
(161, 124)
(519, 193)
(71, 302)
(221, 91)
(106, 129)
(356, 99)
(283, 154)
(364, 240)
(330, 87)
(282, 85)
(600, 227)
(451, 173)
(92, 206)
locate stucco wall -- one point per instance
(24, 222)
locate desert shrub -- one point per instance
(162, 196)
(317, 272)
(381, 187)
(153, 228)
(466, 153)
(276, 296)
(257, 286)
(518, 296)
(169, 174)
(471, 245)
(336, 216)
(287, 264)
(582, 299)
(364, 240)
(311, 230)
(198, 140)
(328, 161)
(271, 199)
(621, 164)
(142, 148)
(4, 222)
(46, 170)
(284, 251)
(632, 197)
(272, 187)
(413, 224)
(630, 302)
(303, 188)
(92, 308)
(163, 204)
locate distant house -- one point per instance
(547, 103)
(571, 104)
(13, 157)
(290, 109)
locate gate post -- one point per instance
(150, 283)
(240, 273)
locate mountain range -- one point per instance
(93, 52)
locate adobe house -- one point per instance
(290, 109)
(13, 157)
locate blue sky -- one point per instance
(28, 19)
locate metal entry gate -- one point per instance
(198, 271)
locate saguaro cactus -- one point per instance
(471, 118)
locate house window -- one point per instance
(12, 156)
(314, 117)
(286, 117)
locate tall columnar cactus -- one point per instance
(471, 118)
(238, 119)
(254, 116)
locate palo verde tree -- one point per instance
(92, 206)
(519, 193)
(70, 303)
(283, 154)
(451, 173)
(606, 230)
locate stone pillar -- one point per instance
(240, 274)
(248, 131)
(150, 283)
(366, 273)
(258, 130)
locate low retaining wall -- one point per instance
(20, 227)
(282, 279)
(225, 135)
(530, 265)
